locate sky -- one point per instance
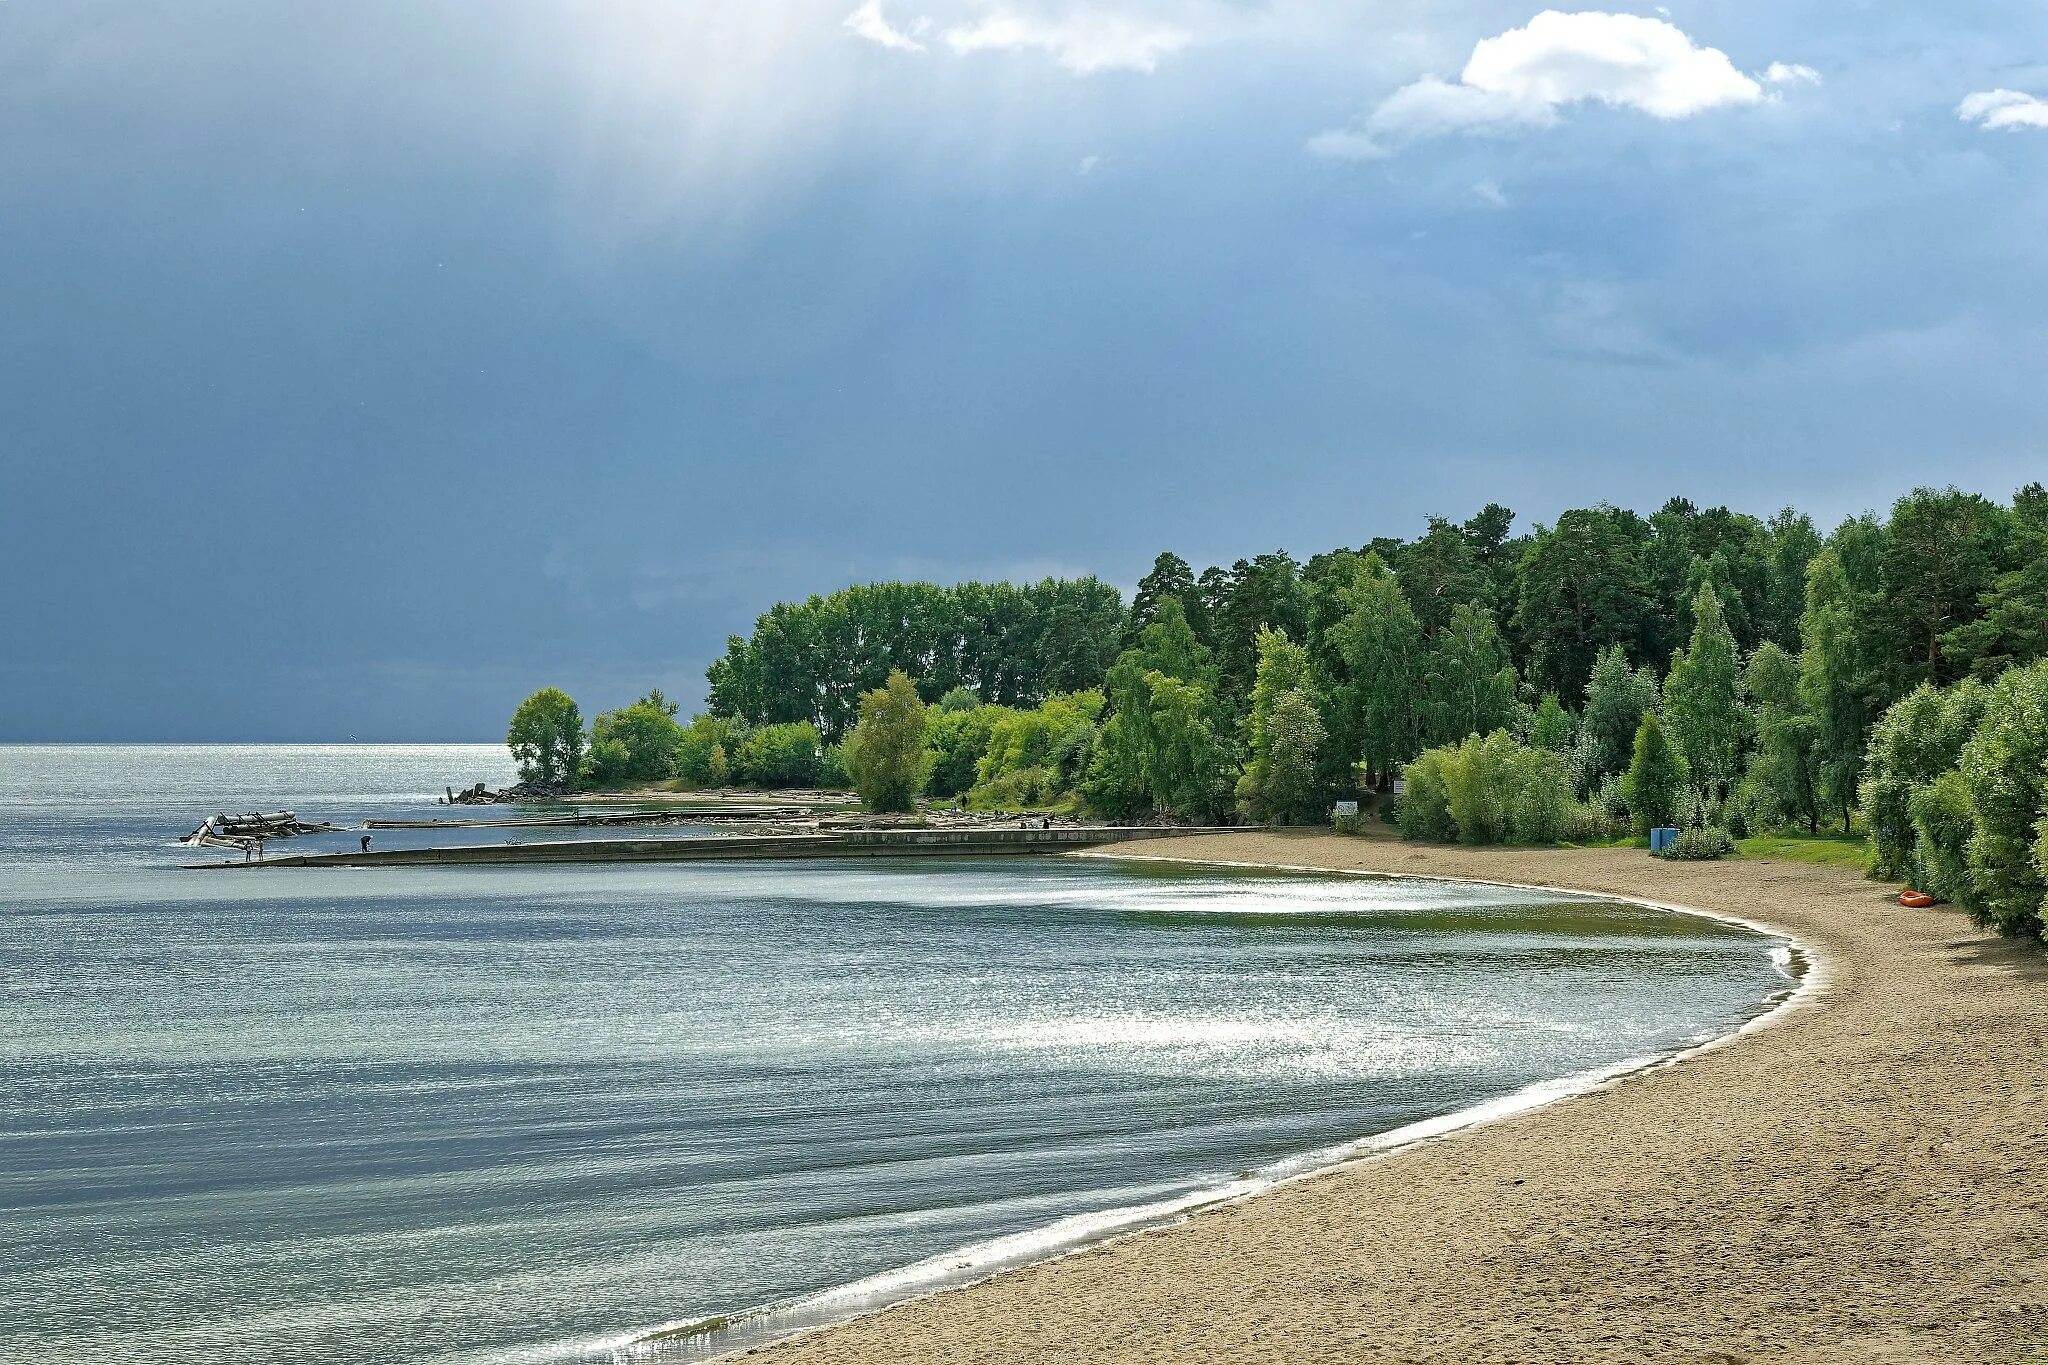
(366, 365)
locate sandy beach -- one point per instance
(1866, 1180)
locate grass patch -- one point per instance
(1845, 851)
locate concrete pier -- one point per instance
(975, 842)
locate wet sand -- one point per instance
(1866, 1180)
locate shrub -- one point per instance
(790, 755)
(635, 743)
(1612, 804)
(957, 739)
(1481, 780)
(1699, 843)
(1016, 790)
(1912, 744)
(1541, 810)
(885, 754)
(1353, 823)
(1055, 742)
(1426, 804)
(2005, 766)
(705, 750)
(1942, 824)
(1488, 791)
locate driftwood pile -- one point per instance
(241, 831)
(482, 795)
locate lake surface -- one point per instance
(536, 1113)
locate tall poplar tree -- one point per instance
(1784, 764)
(1283, 732)
(1380, 644)
(1703, 698)
(1470, 683)
(1830, 683)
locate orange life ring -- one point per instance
(1916, 899)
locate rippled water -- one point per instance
(506, 1114)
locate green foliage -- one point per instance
(1284, 736)
(1380, 645)
(1792, 543)
(1583, 589)
(1488, 790)
(1702, 698)
(1161, 749)
(1037, 757)
(1699, 843)
(546, 738)
(1393, 647)
(1442, 572)
(2011, 627)
(1656, 779)
(787, 755)
(1913, 744)
(885, 754)
(1170, 577)
(1832, 683)
(634, 744)
(812, 661)
(1264, 593)
(957, 738)
(1784, 772)
(1426, 803)
(705, 749)
(1470, 686)
(1942, 820)
(1616, 697)
(1552, 727)
(1943, 552)
(2005, 766)
(1280, 784)
(1038, 737)
(960, 699)
(1019, 789)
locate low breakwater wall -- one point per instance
(891, 843)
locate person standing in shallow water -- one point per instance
(366, 843)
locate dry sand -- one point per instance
(1864, 1181)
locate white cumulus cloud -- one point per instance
(1790, 73)
(1524, 76)
(2008, 109)
(870, 23)
(1085, 42)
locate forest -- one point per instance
(1698, 668)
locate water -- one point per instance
(522, 1114)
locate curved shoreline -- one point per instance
(1772, 1201)
(978, 1263)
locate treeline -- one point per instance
(1608, 672)
(1013, 646)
